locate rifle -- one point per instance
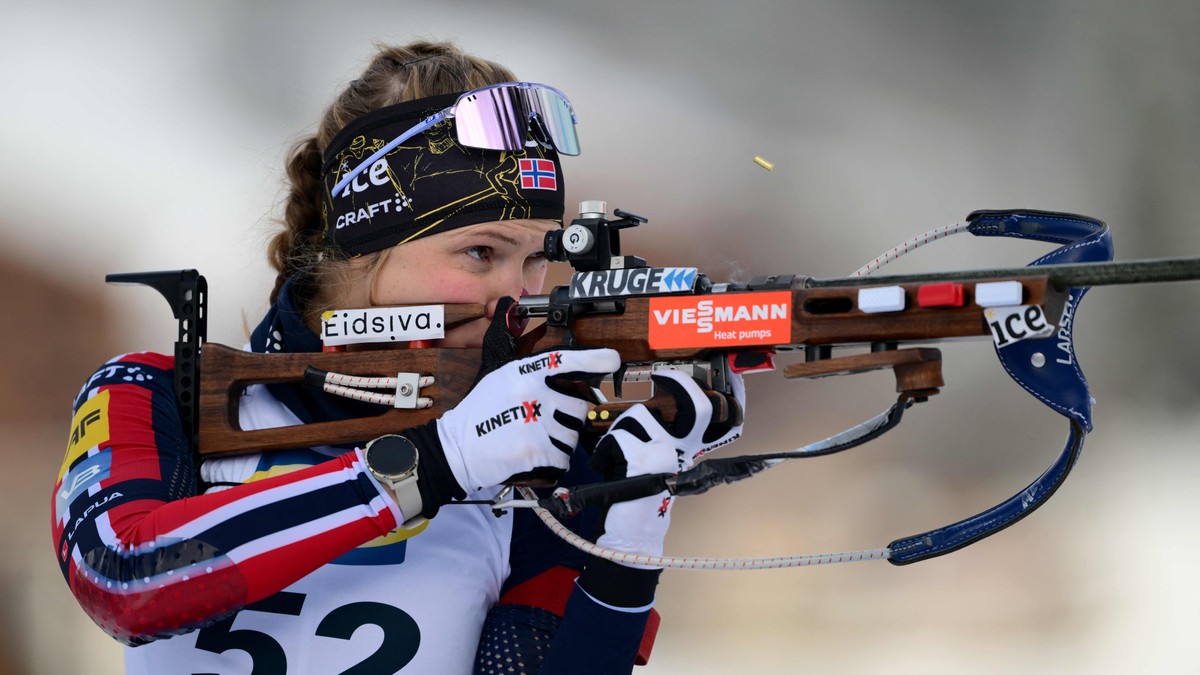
(677, 318)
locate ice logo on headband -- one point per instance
(376, 175)
(436, 140)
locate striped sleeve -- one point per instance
(145, 555)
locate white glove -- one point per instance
(515, 422)
(638, 444)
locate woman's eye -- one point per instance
(482, 253)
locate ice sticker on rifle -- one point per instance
(636, 281)
(721, 320)
(382, 324)
(1013, 324)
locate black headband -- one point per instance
(430, 183)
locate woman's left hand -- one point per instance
(639, 444)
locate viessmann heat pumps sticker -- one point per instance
(720, 320)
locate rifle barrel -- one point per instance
(1073, 275)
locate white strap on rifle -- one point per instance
(404, 389)
(697, 563)
(689, 563)
(909, 245)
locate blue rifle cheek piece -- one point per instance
(1058, 383)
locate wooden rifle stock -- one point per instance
(821, 317)
(227, 371)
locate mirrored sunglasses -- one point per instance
(506, 116)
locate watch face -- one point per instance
(391, 455)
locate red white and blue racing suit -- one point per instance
(289, 562)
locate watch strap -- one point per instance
(403, 482)
(408, 498)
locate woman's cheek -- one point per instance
(456, 291)
(535, 279)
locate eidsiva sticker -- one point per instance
(721, 320)
(1013, 324)
(383, 324)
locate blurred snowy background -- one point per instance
(146, 135)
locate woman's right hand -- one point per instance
(517, 421)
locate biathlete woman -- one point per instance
(336, 559)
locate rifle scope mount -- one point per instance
(592, 242)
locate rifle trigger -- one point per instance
(619, 380)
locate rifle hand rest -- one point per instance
(918, 371)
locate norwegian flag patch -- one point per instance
(538, 174)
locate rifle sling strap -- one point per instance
(1045, 367)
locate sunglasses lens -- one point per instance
(498, 119)
(493, 119)
(554, 113)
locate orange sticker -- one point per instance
(721, 320)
